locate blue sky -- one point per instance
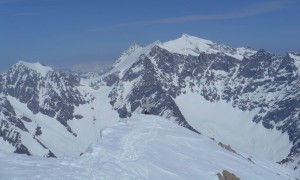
(66, 32)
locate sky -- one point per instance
(63, 33)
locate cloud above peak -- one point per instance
(257, 9)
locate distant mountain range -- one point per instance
(246, 98)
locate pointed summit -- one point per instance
(184, 35)
(125, 54)
(134, 46)
(130, 56)
(130, 50)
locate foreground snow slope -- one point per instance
(144, 147)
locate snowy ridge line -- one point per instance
(37, 67)
(191, 45)
(145, 147)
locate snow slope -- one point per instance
(233, 126)
(129, 57)
(144, 147)
(187, 45)
(54, 136)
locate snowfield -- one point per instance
(233, 126)
(144, 147)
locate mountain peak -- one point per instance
(134, 46)
(130, 56)
(192, 45)
(194, 39)
(184, 35)
(187, 45)
(40, 68)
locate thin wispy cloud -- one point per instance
(251, 11)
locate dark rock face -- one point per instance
(9, 113)
(8, 127)
(22, 150)
(78, 116)
(111, 79)
(54, 94)
(38, 131)
(26, 119)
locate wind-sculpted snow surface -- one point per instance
(144, 147)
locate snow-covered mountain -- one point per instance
(49, 113)
(146, 147)
(238, 96)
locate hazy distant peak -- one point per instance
(38, 67)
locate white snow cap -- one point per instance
(192, 45)
(187, 45)
(184, 45)
(38, 67)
